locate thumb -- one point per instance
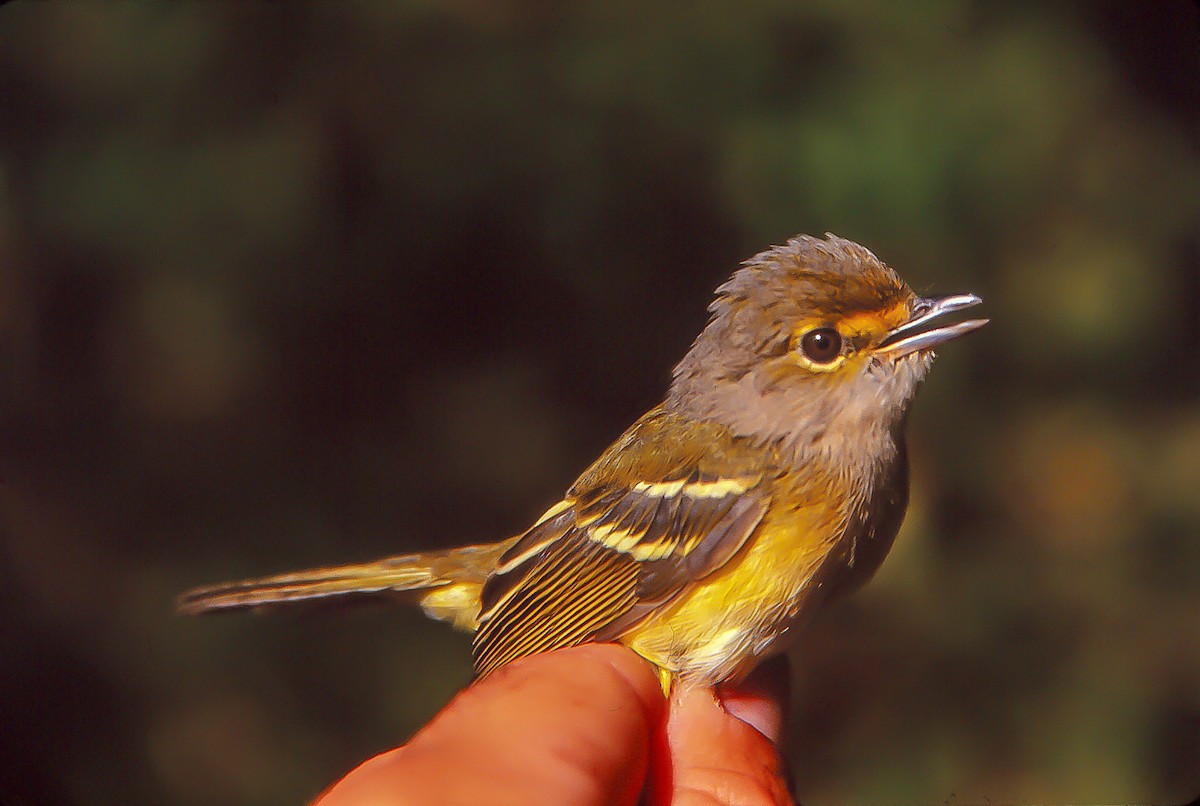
(719, 746)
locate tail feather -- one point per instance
(447, 583)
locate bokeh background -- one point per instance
(299, 284)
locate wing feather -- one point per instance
(625, 541)
(562, 600)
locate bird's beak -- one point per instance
(915, 334)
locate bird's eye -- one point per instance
(821, 345)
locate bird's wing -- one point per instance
(667, 505)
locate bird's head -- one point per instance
(817, 344)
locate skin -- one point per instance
(586, 725)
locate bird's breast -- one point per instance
(727, 622)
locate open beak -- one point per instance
(916, 334)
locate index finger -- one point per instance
(570, 726)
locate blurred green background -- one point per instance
(285, 285)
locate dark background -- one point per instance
(285, 285)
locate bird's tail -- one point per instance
(446, 584)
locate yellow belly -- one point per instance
(729, 621)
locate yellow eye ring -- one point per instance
(821, 349)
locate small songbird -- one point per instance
(773, 477)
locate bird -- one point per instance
(772, 478)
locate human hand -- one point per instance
(586, 725)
